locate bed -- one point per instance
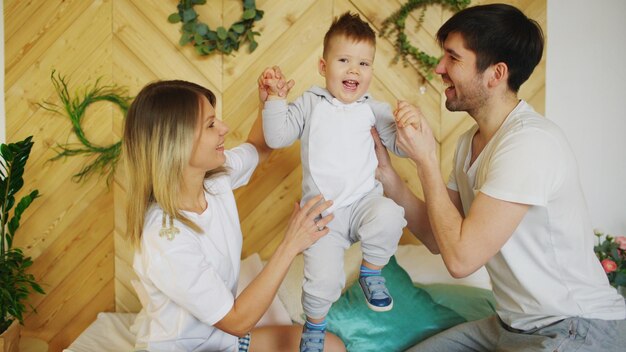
(426, 300)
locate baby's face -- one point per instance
(347, 68)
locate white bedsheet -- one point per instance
(111, 331)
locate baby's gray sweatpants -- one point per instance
(374, 220)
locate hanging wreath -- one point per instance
(205, 40)
(395, 24)
(104, 158)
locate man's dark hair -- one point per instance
(498, 33)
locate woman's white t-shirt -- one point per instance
(190, 281)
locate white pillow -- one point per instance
(426, 268)
(108, 333)
(138, 322)
(276, 314)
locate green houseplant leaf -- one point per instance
(17, 283)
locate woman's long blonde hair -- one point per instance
(157, 143)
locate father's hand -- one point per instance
(415, 137)
(384, 161)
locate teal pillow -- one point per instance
(414, 317)
(472, 303)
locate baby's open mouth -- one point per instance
(350, 84)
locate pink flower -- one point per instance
(609, 266)
(621, 241)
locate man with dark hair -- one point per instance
(513, 202)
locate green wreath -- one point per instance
(395, 24)
(206, 40)
(103, 158)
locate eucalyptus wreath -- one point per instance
(205, 40)
(103, 158)
(395, 24)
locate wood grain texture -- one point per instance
(75, 232)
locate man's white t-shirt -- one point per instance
(190, 282)
(547, 270)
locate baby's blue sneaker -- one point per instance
(376, 294)
(312, 340)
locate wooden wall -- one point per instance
(75, 231)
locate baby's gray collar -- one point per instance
(323, 92)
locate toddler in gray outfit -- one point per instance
(338, 161)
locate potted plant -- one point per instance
(16, 283)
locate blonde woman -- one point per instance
(183, 220)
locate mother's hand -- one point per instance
(305, 225)
(272, 82)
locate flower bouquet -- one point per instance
(611, 251)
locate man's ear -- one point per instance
(321, 67)
(499, 74)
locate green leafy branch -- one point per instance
(205, 40)
(396, 25)
(16, 282)
(103, 158)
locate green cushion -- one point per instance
(472, 303)
(414, 317)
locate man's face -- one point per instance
(467, 88)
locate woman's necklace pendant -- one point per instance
(168, 232)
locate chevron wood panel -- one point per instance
(279, 17)
(68, 230)
(75, 232)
